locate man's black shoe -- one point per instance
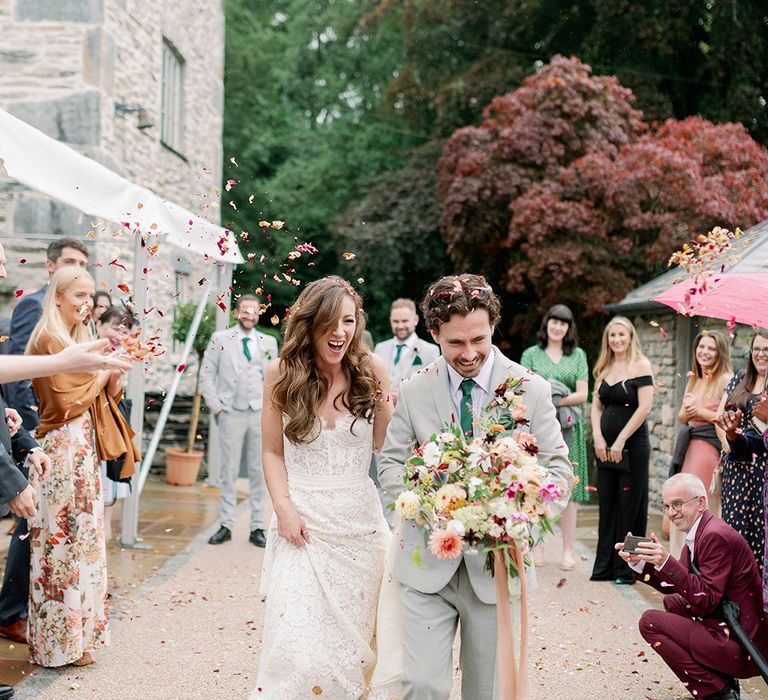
(258, 538)
(223, 534)
(6, 692)
(727, 693)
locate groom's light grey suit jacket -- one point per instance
(424, 407)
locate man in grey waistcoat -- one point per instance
(232, 383)
(461, 313)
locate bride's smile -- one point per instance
(332, 344)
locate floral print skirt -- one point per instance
(68, 568)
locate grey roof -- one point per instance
(748, 253)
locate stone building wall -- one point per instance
(64, 66)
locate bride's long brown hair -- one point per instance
(300, 388)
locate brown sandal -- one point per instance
(85, 660)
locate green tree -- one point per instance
(395, 234)
(307, 122)
(326, 100)
(570, 198)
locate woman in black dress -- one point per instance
(620, 404)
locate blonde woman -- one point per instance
(326, 407)
(67, 599)
(699, 441)
(621, 402)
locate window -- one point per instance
(172, 120)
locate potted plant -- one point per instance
(183, 466)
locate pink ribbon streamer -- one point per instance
(512, 674)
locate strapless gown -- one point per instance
(321, 599)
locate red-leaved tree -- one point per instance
(563, 194)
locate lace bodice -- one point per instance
(336, 451)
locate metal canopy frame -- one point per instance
(56, 170)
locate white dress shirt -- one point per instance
(398, 372)
(480, 392)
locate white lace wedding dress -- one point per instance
(322, 598)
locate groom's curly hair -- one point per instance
(459, 294)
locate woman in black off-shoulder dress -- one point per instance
(622, 400)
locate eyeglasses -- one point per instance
(677, 506)
(759, 351)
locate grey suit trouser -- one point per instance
(430, 621)
(239, 430)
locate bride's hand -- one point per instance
(291, 526)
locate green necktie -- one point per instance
(246, 349)
(399, 352)
(466, 406)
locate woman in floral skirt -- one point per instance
(68, 575)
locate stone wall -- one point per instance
(64, 66)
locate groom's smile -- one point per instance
(465, 341)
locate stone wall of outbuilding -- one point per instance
(64, 66)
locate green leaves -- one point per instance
(182, 322)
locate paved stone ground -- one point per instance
(192, 631)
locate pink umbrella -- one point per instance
(736, 298)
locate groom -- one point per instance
(461, 313)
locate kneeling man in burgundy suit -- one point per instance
(690, 634)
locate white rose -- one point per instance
(526, 460)
(432, 454)
(456, 527)
(407, 504)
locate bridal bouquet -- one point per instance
(486, 493)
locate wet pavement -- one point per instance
(187, 619)
(170, 518)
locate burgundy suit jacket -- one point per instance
(727, 570)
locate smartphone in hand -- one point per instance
(631, 542)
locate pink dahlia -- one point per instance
(445, 545)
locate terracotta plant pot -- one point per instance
(182, 467)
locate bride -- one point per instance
(326, 405)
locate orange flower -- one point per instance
(445, 545)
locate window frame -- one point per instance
(172, 98)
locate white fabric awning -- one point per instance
(53, 168)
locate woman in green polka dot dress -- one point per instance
(557, 356)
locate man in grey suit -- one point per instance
(232, 382)
(461, 313)
(404, 353)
